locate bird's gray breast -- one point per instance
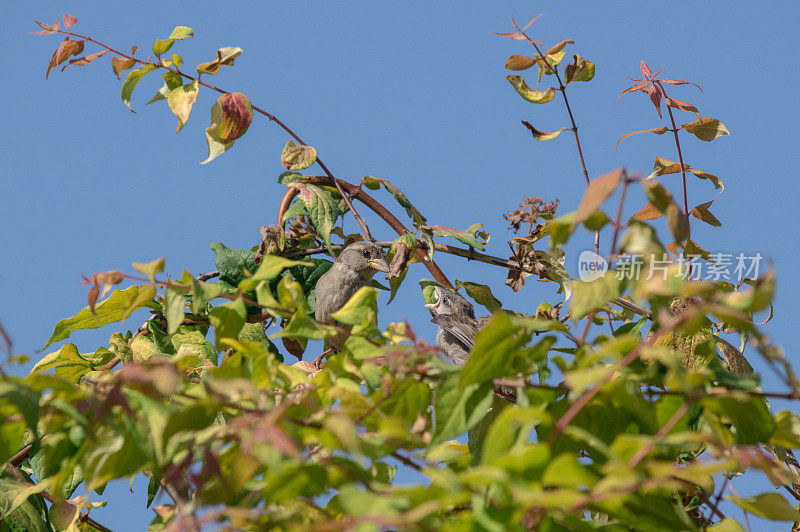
(454, 348)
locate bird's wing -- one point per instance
(463, 329)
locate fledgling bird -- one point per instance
(457, 323)
(352, 270)
(458, 327)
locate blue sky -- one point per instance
(413, 93)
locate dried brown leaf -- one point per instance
(560, 46)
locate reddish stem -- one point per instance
(270, 116)
(377, 208)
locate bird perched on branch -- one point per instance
(353, 269)
(458, 327)
(457, 323)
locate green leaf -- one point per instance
(188, 342)
(24, 400)
(579, 70)
(171, 81)
(362, 306)
(67, 362)
(769, 506)
(510, 430)
(308, 277)
(749, 415)
(529, 94)
(492, 356)
(321, 208)
(234, 265)
(458, 410)
(133, 79)
(181, 32)
(119, 305)
(227, 320)
(173, 308)
(181, 100)
(225, 56)
(482, 294)
(726, 525)
(590, 295)
(150, 269)
(469, 236)
(661, 199)
(21, 510)
(543, 135)
(296, 157)
(566, 471)
(787, 433)
(301, 326)
(160, 46)
(706, 129)
(272, 266)
(373, 183)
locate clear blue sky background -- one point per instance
(413, 93)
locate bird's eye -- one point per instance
(365, 253)
(446, 300)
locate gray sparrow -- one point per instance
(352, 270)
(458, 327)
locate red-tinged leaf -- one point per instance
(121, 64)
(680, 82)
(92, 296)
(237, 113)
(519, 62)
(560, 46)
(599, 189)
(657, 130)
(673, 247)
(69, 21)
(543, 135)
(701, 212)
(46, 30)
(645, 70)
(655, 97)
(528, 25)
(215, 146)
(683, 106)
(648, 212)
(55, 24)
(66, 49)
(85, 60)
(516, 36)
(634, 88)
(706, 129)
(718, 184)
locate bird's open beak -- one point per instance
(379, 265)
(434, 306)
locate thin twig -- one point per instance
(663, 431)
